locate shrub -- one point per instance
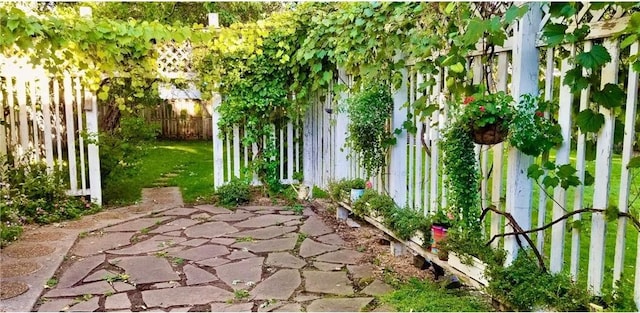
(33, 194)
(234, 192)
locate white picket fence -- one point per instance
(414, 178)
(53, 119)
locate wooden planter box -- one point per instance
(475, 270)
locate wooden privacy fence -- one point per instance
(52, 118)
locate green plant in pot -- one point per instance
(357, 189)
(488, 116)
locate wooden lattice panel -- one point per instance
(600, 20)
(175, 58)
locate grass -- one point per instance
(425, 296)
(191, 161)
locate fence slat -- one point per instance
(83, 181)
(498, 153)
(58, 125)
(603, 174)
(525, 66)
(218, 161)
(579, 190)
(45, 101)
(562, 157)
(398, 168)
(33, 98)
(93, 150)
(418, 177)
(435, 146)
(542, 195)
(12, 114)
(3, 122)
(70, 129)
(290, 159)
(307, 133)
(410, 143)
(22, 113)
(236, 151)
(627, 152)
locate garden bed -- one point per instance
(471, 274)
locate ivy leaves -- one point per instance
(563, 175)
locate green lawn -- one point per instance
(186, 164)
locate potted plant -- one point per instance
(357, 188)
(487, 116)
(440, 223)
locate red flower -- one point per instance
(369, 184)
(540, 114)
(482, 109)
(468, 100)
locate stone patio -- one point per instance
(208, 258)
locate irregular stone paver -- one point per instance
(266, 220)
(304, 298)
(194, 242)
(201, 252)
(18, 268)
(122, 287)
(327, 282)
(210, 230)
(170, 284)
(332, 239)
(97, 288)
(361, 271)
(233, 217)
(284, 259)
(197, 275)
(377, 288)
(138, 224)
(98, 275)
(338, 305)
(180, 211)
(213, 262)
(240, 254)
(247, 270)
(384, 308)
(79, 270)
(176, 233)
(259, 208)
(117, 301)
(308, 212)
(270, 245)
(95, 244)
(212, 209)
(222, 241)
(152, 244)
(264, 233)
(174, 225)
(310, 248)
(55, 305)
(341, 256)
(86, 306)
(278, 286)
(315, 227)
(329, 267)
(293, 223)
(201, 216)
(224, 307)
(291, 307)
(184, 296)
(20, 250)
(146, 269)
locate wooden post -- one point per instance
(398, 155)
(498, 152)
(213, 20)
(307, 160)
(604, 150)
(524, 80)
(93, 150)
(218, 150)
(341, 162)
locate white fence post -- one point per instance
(524, 80)
(218, 150)
(398, 155)
(341, 131)
(93, 150)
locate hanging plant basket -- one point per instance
(490, 134)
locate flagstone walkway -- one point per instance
(209, 258)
